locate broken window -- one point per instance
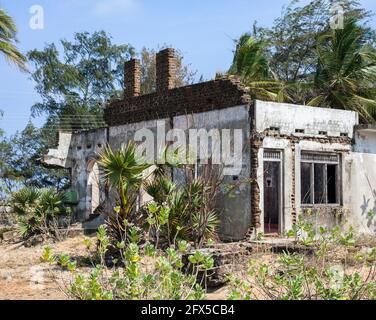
(319, 178)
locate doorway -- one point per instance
(272, 192)
(93, 192)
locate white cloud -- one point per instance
(107, 7)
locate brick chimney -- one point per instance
(132, 78)
(166, 70)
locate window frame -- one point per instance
(325, 158)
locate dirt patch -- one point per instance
(24, 277)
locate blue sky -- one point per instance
(202, 29)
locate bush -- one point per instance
(296, 276)
(174, 214)
(38, 211)
(163, 279)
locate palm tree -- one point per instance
(123, 170)
(251, 63)
(8, 31)
(346, 72)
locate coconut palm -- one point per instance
(346, 72)
(251, 63)
(8, 31)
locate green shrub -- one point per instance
(38, 210)
(298, 276)
(163, 280)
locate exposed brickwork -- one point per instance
(132, 78)
(256, 144)
(293, 182)
(166, 70)
(201, 97)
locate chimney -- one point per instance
(166, 70)
(132, 78)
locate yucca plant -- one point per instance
(185, 213)
(123, 171)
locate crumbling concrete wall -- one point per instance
(77, 152)
(361, 201)
(292, 129)
(234, 208)
(314, 121)
(361, 171)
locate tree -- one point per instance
(252, 65)
(305, 62)
(8, 40)
(75, 84)
(184, 76)
(346, 71)
(20, 164)
(292, 38)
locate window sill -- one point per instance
(312, 206)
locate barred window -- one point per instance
(320, 178)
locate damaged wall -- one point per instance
(292, 130)
(78, 152)
(235, 208)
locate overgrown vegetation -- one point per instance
(40, 212)
(147, 274)
(328, 273)
(301, 60)
(174, 213)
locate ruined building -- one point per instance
(299, 160)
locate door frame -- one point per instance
(274, 155)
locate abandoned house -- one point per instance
(299, 160)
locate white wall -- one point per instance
(362, 195)
(289, 117)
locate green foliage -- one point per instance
(38, 210)
(301, 60)
(181, 213)
(8, 40)
(185, 213)
(296, 276)
(123, 171)
(346, 71)
(75, 84)
(20, 162)
(163, 279)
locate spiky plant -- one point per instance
(37, 209)
(123, 171)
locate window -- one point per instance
(319, 178)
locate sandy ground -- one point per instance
(24, 277)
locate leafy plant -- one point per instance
(297, 276)
(38, 211)
(164, 280)
(124, 172)
(185, 213)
